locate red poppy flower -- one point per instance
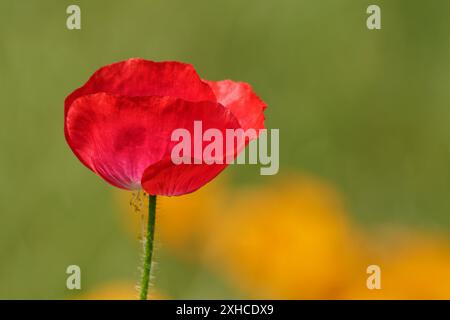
(119, 123)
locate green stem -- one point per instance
(148, 248)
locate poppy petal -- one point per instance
(165, 178)
(239, 97)
(119, 137)
(139, 77)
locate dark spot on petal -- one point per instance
(131, 137)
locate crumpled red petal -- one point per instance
(120, 137)
(139, 77)
(165, 178)
(239, 97)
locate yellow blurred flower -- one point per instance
(286, 241)
(291, 240)
(418, 268)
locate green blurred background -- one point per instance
(365, 110)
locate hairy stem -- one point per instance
(148, 247)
